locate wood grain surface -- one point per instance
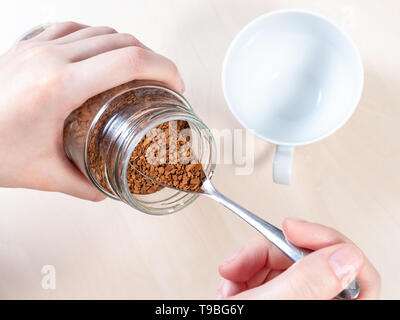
(349, 181)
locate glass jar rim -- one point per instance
(133, 139)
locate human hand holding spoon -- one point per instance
(269, 231)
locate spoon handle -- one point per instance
(277, 237)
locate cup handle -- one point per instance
(282, 170)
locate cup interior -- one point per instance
(292, 77)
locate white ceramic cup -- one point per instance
(292, 77)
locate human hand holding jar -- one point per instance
(44, 78)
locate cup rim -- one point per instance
(267, 15)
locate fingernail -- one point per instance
(223, 290)
(346, 262)
(220, 285)
(231, 258)
(219, 296)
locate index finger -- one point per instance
(113, 68)
(255, 255)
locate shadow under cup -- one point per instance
(292, 77)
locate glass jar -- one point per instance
(100, 136)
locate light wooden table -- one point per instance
(350, 181)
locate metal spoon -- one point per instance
(269, 231)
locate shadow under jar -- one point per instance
(100, 136)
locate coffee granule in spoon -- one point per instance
(175, 164)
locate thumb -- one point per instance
(320, 275)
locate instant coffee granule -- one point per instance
(172, 161)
